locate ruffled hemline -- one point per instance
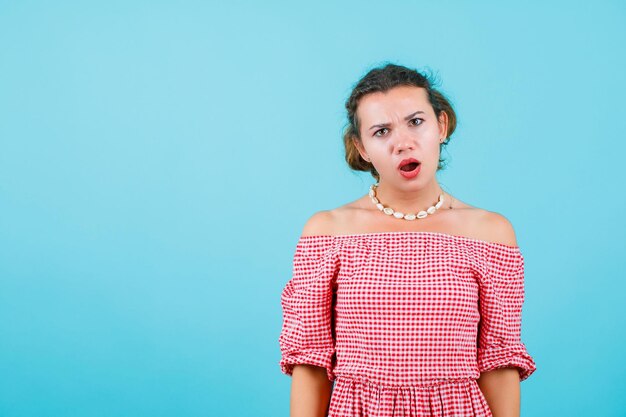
(455, 397)
(319, 358)
(507, 356)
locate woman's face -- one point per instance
(400, 124)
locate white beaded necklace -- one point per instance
(398, 215)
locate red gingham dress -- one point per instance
(404, 322)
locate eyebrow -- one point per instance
(406, 119)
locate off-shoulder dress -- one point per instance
(404, 322)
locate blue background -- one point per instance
(159, 159)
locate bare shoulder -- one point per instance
(320, 223)
(497, 228)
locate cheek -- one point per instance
(432, 148)
(432, 143)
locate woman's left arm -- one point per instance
(503, 361)
(501, 388)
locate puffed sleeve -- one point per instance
(501, 296)
(307, 300)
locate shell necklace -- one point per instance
(398, 215)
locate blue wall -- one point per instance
(158, 160)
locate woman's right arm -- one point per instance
(306, 340)
(310, 391)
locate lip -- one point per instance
(407, 161)
(411, 174)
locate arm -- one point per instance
(501, 388)
(307, 334)
(310, 391)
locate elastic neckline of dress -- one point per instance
(414, 232)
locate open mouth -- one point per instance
(410, 166)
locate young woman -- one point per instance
(407, 301)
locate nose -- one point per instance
(404, 143)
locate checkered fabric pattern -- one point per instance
(404, 322)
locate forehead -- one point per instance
(395, 103)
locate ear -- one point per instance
(443, 126)
(360, 148)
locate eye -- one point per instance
(376, 133)
(417, 118)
